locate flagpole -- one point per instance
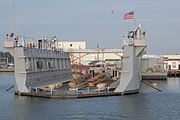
(134, 19)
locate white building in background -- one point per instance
(173, 62)
(79, 54)
(170, 62)
(66, 46)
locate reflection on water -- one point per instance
(173, 85)
(149, 104)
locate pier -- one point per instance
(6, 70)
(174, 73)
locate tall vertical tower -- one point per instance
(132, 54)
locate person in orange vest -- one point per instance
(16, 42)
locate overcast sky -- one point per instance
(92, 21)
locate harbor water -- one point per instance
(149, 104)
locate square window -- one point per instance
(173, 64)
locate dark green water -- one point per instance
(149, 104)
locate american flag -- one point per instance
(129, 15)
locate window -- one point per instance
(70, 45)
(173, 64)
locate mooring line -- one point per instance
(151, 86)
(9, 88)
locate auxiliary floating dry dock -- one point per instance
(43, 64)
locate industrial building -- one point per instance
(67, 46)
(172, 61)
(79, 54)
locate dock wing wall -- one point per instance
(37, 67)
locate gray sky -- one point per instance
(92, 21)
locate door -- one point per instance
(169, 67)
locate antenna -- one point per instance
(14, 18)
(134, 17)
